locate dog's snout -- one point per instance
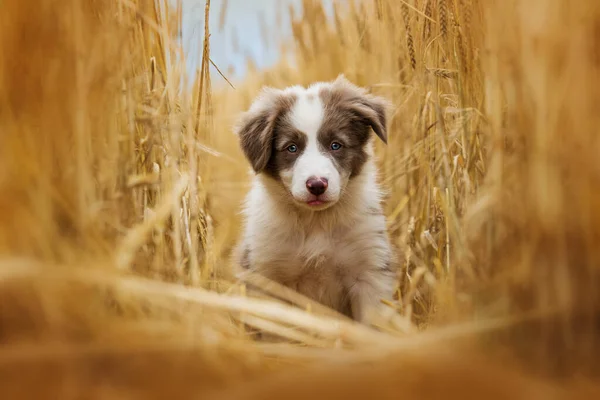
(316, 186)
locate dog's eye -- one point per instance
(292, 148)
(336, 146)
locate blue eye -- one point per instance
(335, 146)
(292, 148)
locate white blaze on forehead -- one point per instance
(307, 116)
(307, 113)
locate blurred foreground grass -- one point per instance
(120, 190)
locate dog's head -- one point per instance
(312, 141)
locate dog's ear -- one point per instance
(367, 107)
(256, 127)
(373, 110)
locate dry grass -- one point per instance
(120, 190)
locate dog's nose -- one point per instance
(316, 186)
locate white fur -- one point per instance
(307, 116)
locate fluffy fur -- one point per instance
(333, 246)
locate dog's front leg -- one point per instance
(367, 292)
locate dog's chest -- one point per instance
(321, 261)
(318, 248)
(315, 254)
(309, 263)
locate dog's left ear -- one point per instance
(372, 110)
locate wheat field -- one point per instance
(121, 183)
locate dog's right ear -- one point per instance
(256, 127)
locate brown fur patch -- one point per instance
(340, 126)
(280, 158)
(349, 115)
(258, 126)
(364, 107)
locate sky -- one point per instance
(242, 25)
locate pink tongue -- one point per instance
(314, 202)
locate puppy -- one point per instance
(313, 216)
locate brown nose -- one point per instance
(316, 186)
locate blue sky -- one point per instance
(245, 21)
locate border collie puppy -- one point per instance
(313, 217)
